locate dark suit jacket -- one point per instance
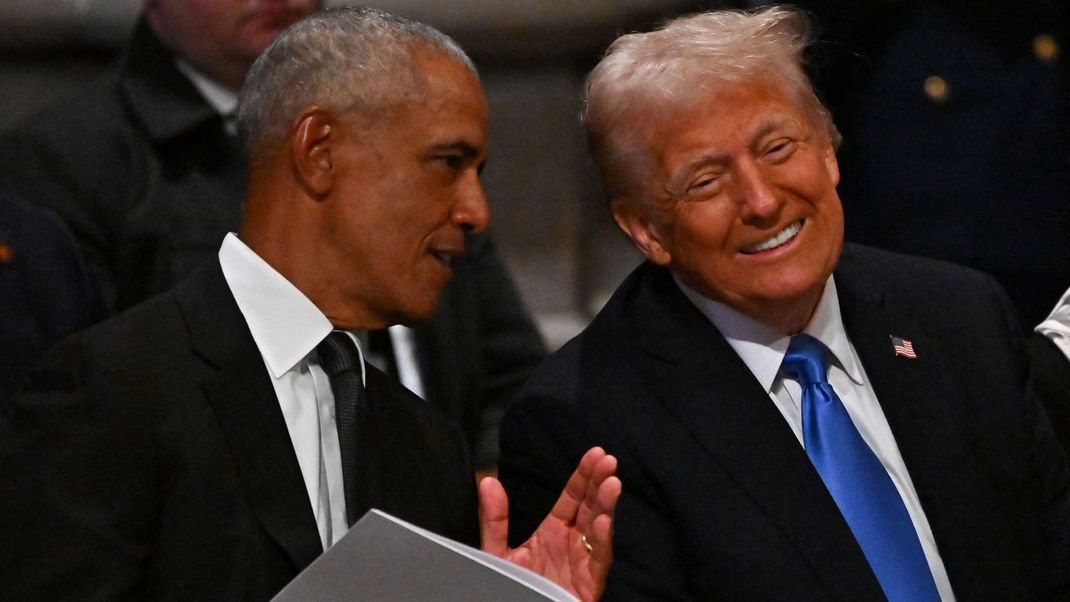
(139, 168)
(721, 502)
(149, 459)
(44, 291)
(1051, 382)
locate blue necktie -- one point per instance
(854, 476)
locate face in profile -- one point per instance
(408, 192)
(741, 204)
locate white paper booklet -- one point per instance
(385, 558)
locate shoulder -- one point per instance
(152, 345)
(144, 366)
(645, 326)
(926, 286)
(133, 340)
(872, 264)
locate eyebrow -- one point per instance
(672, 186)
(469, 150)
(771, 123)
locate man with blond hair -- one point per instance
(795, 418)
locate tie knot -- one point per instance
(806, 360)
(337, 354)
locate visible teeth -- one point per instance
(780, 238)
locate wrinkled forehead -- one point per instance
(655, 116)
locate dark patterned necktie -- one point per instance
(339, 360)
(854, 476)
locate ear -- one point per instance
(632, 219)
(312, 138)
(831, 165)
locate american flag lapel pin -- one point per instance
(903, 347)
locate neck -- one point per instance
(789, 320)
(787, 316)
(287, 236)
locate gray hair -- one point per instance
(680, 64)
(342, 59)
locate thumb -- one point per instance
(493, 517)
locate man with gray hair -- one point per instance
(211, 442)
(796, 418)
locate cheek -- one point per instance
(704, 227)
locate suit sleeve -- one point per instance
(1047, 478)
(77, 488)
(1050, 380)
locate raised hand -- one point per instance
(573, 546)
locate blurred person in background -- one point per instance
(955, 118)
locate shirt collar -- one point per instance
(762, 348)
(221, 98)
(284, 323)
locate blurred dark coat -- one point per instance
(44, 291)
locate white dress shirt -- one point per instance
(287, 327)
(1057, 326)
(763, 349)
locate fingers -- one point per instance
(604, 488)
(579, 485)
(595, 501)
(595, 526)
(493, 517)
(599, 531)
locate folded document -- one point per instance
(386, 558)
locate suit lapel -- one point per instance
(918, 398)
(714, 396)
(244, 401)
(413, 464)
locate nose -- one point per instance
(471, 211)
(758, 198)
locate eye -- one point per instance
(704, 183)
(780, 149)
(453, 162)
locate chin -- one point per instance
(790, 281)
(417, 315)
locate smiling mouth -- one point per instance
(777, 240)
